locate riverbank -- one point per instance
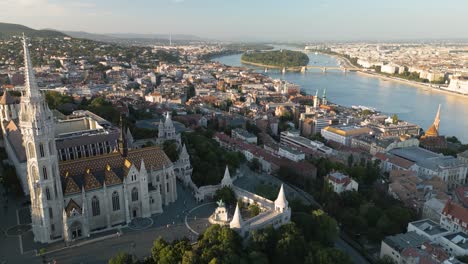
(289, 68)
(425, 86)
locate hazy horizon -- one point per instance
(258, 20)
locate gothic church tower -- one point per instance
(37, 127)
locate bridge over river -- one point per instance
(310, 67)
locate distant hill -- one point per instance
(91, 36)
(132, 37)
(8, 30)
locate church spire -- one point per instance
(437, 119)
(226, 181)
(123, 144)
(30, 85)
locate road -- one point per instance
(356, 257)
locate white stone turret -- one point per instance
(226, 181)
(281, 204)
(167, 130)
(236, 222)
(143, 179)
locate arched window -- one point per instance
(134, 194)
(31, 152)
(34, 174)
(44, 173)
(95, 206)
(115, 201)
(47, 191)
(51, 147)
(41, 150)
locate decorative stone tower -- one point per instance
(37, 127)
(226, 181)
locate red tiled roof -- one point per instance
(455, 211)
(462, 195)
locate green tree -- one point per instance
(122, 258)
(395, 119)
(226, 194)
(170, 148)
(254, 210)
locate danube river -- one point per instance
(413, 104)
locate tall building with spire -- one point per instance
(431, 139)
(37, 127)
(92, 188)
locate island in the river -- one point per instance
(276, 58)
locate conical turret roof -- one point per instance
(236, 222)
(281, 201)
(226, 181)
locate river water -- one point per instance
(413, 104)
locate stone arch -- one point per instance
(31, 150)
(76, 230)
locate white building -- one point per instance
(430, 164)
(244, 135)
(456, 244)
(391, 69)
(427, 228)
(291, 154)
(454, 217)
(343, 134)
(341, 182)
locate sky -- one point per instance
(250, 20)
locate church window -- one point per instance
(134, 194)
(115, 201)
(47, 191)
(51, 147)
(63, 155)
(34, 174)
(31, 150)
(41, 150)
(157, 178)
(52, 227)
(86, 151)
(151, 200)
(55, 190)
(95, 206)
(101, 148)
(167, 176)
(44, 173)
(79, 152)
(51, 215)
(167, 187)
(71, 153)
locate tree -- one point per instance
(350, 160)
(328, 256)
(395, 119)
(219, 244)
(226, 194)
(254, 210)
(122, 258)
(170, 148)
(254, 164)
(386, 260)
(158, 245)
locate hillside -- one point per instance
(8, 30)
